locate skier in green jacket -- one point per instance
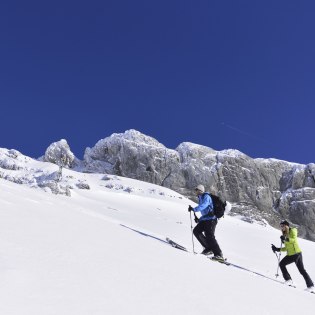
(294, 254)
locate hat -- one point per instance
(200, 188)
(284, 222)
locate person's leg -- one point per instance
(283, 263)
(300, 266)
(198, 232)
(210, 226)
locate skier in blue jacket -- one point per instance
(205, 229)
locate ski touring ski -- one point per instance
(176, 245)
(221, 261)
(310, 290)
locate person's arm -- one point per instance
(291, 238)
(204, 204)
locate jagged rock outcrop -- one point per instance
(260, 189)
(59, 153)
(23, 170)
(133, 155)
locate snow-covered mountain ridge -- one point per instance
(19, 169)
(264, 190)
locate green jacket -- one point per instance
(291, 245)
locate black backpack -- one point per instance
(218, 206)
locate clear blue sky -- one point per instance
(224, 74)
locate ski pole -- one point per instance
(192, 234)
(278, 256)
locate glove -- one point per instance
(196, 220)
(190, 208)
(282, 237)
(274, 248)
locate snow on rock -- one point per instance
(20, 169)
(23, 170)
(59, 153)
(133, 155)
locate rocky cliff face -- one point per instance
(263, 190)
(260, 189)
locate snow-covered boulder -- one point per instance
(59, 153)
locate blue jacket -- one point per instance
(205, 207)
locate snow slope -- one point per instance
(98, 252)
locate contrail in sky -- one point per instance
(244, 132)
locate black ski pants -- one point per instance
(204, 232)
(298, 260)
